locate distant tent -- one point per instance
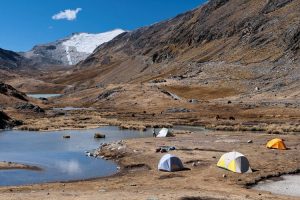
(164, 132)
(170, 163)
(235, 162)
(276, 144)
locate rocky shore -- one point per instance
(4, 165)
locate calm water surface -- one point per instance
(43, 95)
(61, 159)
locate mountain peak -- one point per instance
(69, 50)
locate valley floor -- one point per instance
(199, 151)
(138, 106)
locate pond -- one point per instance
(70, 108)
(37, 96)
(61, 159)
(285, 185)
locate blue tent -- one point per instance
(170, 163)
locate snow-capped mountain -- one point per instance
(70, 50)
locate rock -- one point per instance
(66, 136)
(231, 118)
(43, 99)
(177, 110)
(273, 5)
(224, 175)
(17, 122)
(8, 90)
(89, 154)
(29, 106)
(249, 141)
(163, 150)
(99, 135)
(108, 93)
(193, 101)
(174, 96)
(4, 120)
(158, 81)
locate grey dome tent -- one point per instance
(170, 163)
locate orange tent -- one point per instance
(276, 144)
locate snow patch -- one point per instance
(87, 43)
(68, 55)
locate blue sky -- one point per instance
(25, 23)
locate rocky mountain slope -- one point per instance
(15, 105)
(68, 51)
(10, 60)
(241, 40)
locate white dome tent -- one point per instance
(170, 163)
(164, 132)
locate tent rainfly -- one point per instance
(170, 163)
(276, 144)
(235, 162)
(164, 132)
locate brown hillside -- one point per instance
(264, 36)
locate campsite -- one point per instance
(150, 100)
(199, 151)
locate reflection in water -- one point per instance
(70, 167)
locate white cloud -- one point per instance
(67, 14)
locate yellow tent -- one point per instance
(276, 144)
(235, 162)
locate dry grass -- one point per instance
(201, 93)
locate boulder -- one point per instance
(193, 101)
(29, 106)
(99, 135)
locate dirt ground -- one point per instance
(199, 151)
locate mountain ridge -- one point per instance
(231, 31)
